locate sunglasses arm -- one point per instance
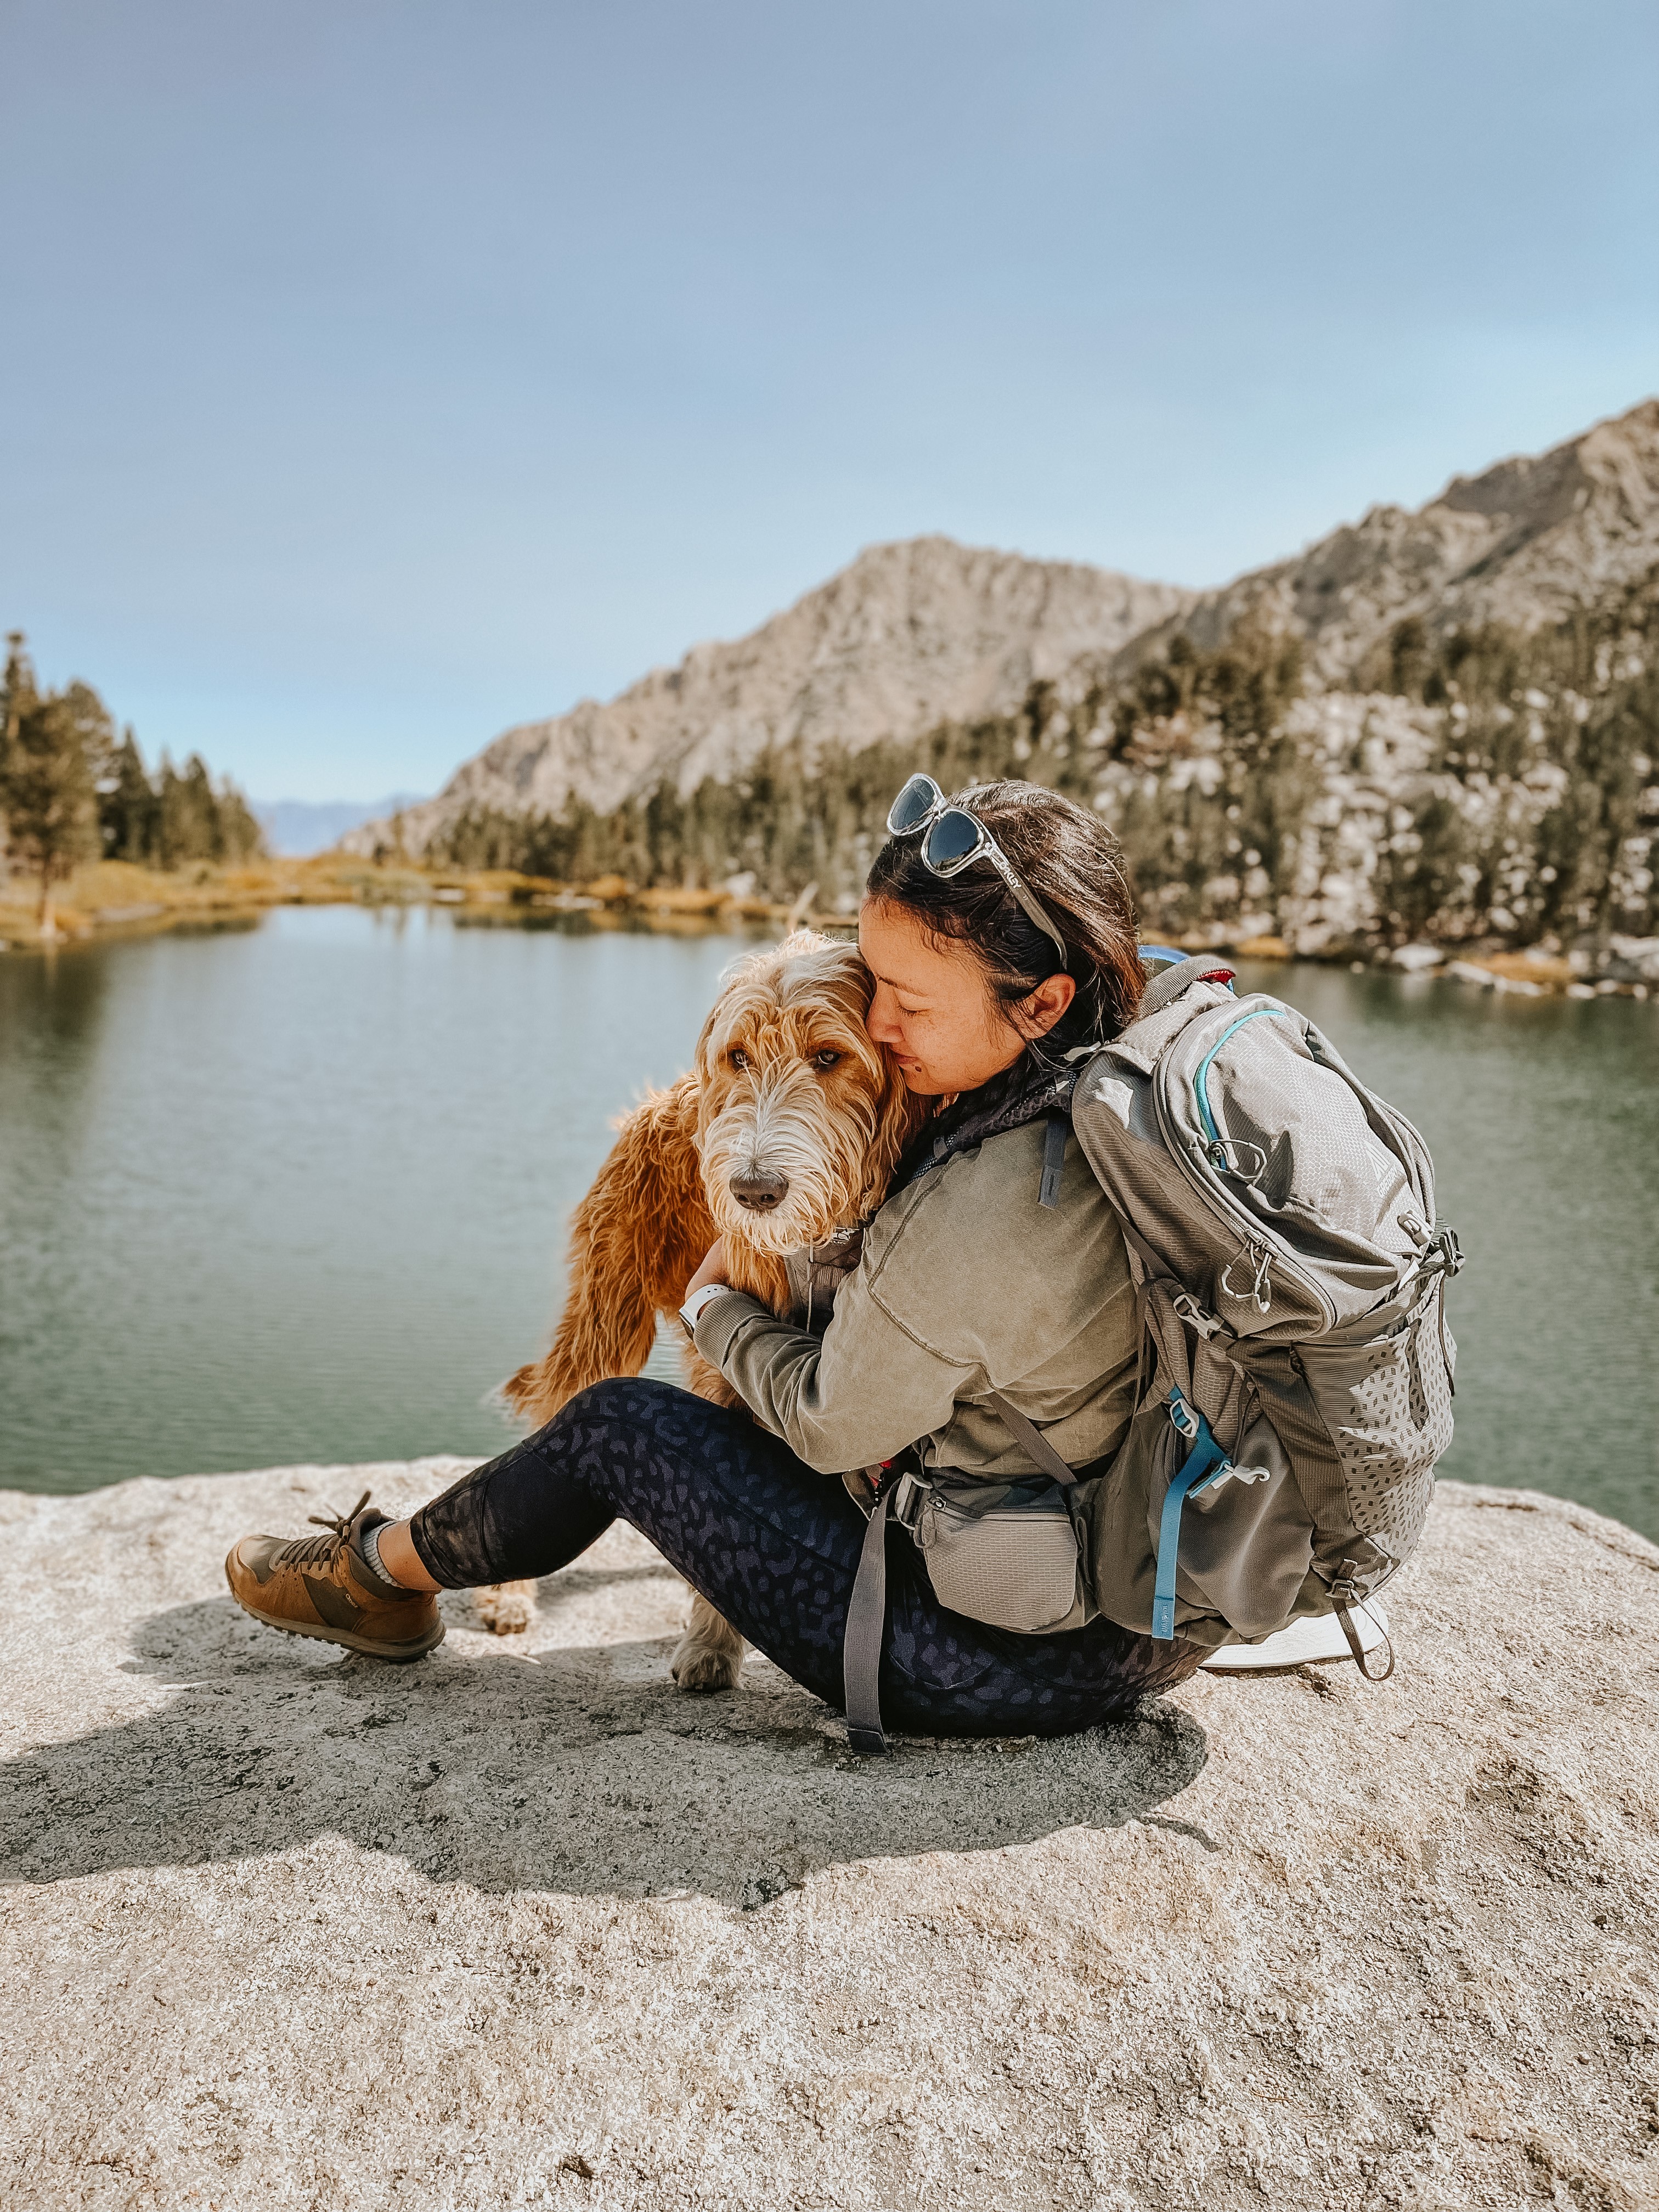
(1033, 912)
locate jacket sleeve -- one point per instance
(850, 1398)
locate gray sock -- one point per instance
(370, 1544)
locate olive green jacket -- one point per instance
(965, 1285)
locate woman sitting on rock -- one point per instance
(999, 933)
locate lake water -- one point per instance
(297, 1191)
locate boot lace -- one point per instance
(319, 1551)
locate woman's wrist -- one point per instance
(704, 1295)
(711, 1268)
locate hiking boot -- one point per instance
(323, 1586)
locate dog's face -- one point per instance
(800, 1117)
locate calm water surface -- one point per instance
(298, 1192)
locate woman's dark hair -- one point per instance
(1069, 858)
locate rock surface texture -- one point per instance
(520, 1924)
(1524, 543)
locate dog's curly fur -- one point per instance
(787, 1085)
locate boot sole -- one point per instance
(400, 1655)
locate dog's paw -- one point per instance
(505, 1608)
(699, 1665)
(709, 1656)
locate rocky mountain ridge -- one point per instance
(910, 634)
(1525, 542)
(924, 633)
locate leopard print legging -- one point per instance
(774, 1547)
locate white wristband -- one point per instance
(692, 1310)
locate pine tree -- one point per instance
(17, 693)
(49, 796)
(17, 690)
(189, 814)
(128, 811)
(239, 836)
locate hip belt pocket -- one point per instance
(1004, 1553)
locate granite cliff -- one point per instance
(1526, 544)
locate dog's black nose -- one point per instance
(759, 1193)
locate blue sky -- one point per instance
(373, 376)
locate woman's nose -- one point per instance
(882, 1020)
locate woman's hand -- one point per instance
(713, 1269)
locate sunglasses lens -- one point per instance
(954, 838)
(913, 805)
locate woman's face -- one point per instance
(933, 1010)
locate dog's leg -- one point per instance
(709, 1656)
(636, 1241)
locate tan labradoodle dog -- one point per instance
(786, 1131)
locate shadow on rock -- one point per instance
(574, 1769)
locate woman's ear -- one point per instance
(1047, 1003)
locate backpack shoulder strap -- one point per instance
(1034, 1441)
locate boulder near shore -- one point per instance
(521, 1924)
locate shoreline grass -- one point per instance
(109, 899)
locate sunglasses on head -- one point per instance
(952, 839)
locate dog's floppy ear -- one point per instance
(635, 1242)
(899, 1114)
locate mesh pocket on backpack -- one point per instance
(1387, 1405)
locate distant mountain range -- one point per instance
(1439, 699)
(297, 828)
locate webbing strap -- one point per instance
(1360, 1656)
(1033, 1439)
(1201, 1461)
(867, 1628)
(1054, 1159)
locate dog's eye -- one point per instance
(827, 1058)
(738, 1060)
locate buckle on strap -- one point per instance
(906, 1500)
(1442, 1256)
(1195, 1317)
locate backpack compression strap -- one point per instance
(1205, 1459)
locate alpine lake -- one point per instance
(297, 1190)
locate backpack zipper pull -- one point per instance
(1261, 1260)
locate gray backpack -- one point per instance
(1280, 1221)
(1296, 1366)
